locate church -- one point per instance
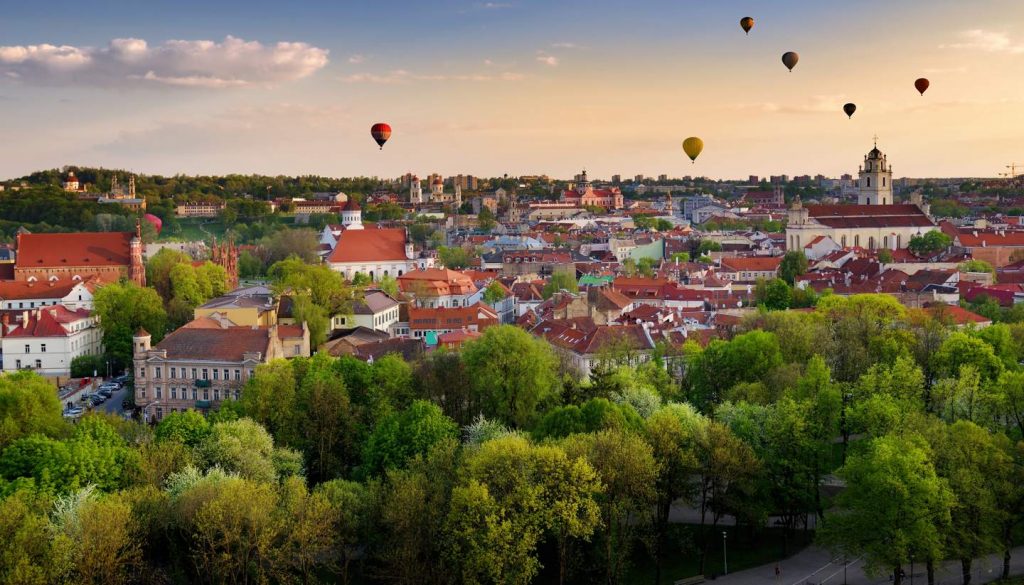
(875, 222)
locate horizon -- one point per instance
(515, 88)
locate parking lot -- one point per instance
(113, 395)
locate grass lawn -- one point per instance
(191, 232)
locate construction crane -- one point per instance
(1013, 170)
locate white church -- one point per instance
(876, 222)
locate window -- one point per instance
(159, 392)
(206, 374)
(142, 392)
(193, 373)
(206, 393)
(215, 374)
(157, 372)
(17, 364)
(42, 348)
(174, 393)
(883, 181)
(238, 375)
(216, 393)
(298, 348)
(236, 394)
(869, 181)
(27, 349)
(195, 394)
(251, 372)
(227, 375)
(142, 372)
(174, 373)
(39, 364)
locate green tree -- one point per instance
(188, 428)
(512, 373)
(28, 405)
(560, 280)
(894, 506)
(124, 308)
(454, 257)
(485, 219)
(86, 366)
(405, 434)
(774, 294)
(494, 293)
(249, 266)
(930, 243)
(158, 270)
(794, 264)
(978, 266)
(961, 349)
(243, 447)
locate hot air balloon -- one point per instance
(155, 221)
(790, 60)
(747, 23)
(692, 146)
(850, 109)
(380, 132)
(922, 85)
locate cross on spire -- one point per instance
(875, 137)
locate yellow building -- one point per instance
(247, 307)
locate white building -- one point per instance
(48, 339)
(18, 295)
(377, 311)
(874, 223)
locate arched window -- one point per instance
(885, 241)
(883, 181)
(869, 181)
(871, 243)
(843, 241)
(856, 241)
(899, 242)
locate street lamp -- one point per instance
(725, 555)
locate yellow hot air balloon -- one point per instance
(692, 146)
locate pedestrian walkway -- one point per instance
(816, 566)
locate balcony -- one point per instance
(202, 383)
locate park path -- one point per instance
(816, 566)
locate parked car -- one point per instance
(74, 412)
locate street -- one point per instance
(113, 404)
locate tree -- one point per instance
(28, 405)
(930, 243)
(512, 373)
(249, 266)
(681, 257)
(894, 506)
(978, 266)
(628, 471)
(885, 256)
(104, 536)
(86, 366)
(485, 219)
(124, 308)
(30, 553)
(188, 428)
(494, 293)
(405, 434)
(774, 295)
(961, 349)
(243, 447)
(301, 243)
(706, 246)
(158, 270)
(454, 257)
(388, 284)
(794, 263)
(560, 280)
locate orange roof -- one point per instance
(48, 322)
(17, 290)
(957, 314)
(452, 318)
(369, 245)
(756, 264)
(437, 281)
(77, 249)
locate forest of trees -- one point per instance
(495, 465)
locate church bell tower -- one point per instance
(874, 184)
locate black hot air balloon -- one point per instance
(380, 132)
(747, 23)
(850, 109)
(790, 59)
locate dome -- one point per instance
(875, 153)
(438, 181)
(351, 205)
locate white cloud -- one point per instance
(564, 46)
(986, 40)
(549, 60)
(495, 5)
(232, 62)
(403, 76)
(356, 59)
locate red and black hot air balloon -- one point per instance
(922, 85)
(380, 132)
(746, 23)
(790, 59)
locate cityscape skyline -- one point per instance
(518, 88)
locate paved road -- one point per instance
(113, 404)
(815, 566)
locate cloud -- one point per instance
(495, 5)
(988, 41)
(564, 46)
(403, 76)
(549, 60)
(818, 104)
(232, 62)
(356, 59)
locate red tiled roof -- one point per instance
(990, 239)
(369, 245)
(74, 249)
(289, 331)
(17, 290)
(752, 264)
(957, 314)
(225, 344)
(479, 315)
(48, 322)
(860, 216)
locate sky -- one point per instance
(510, 86)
